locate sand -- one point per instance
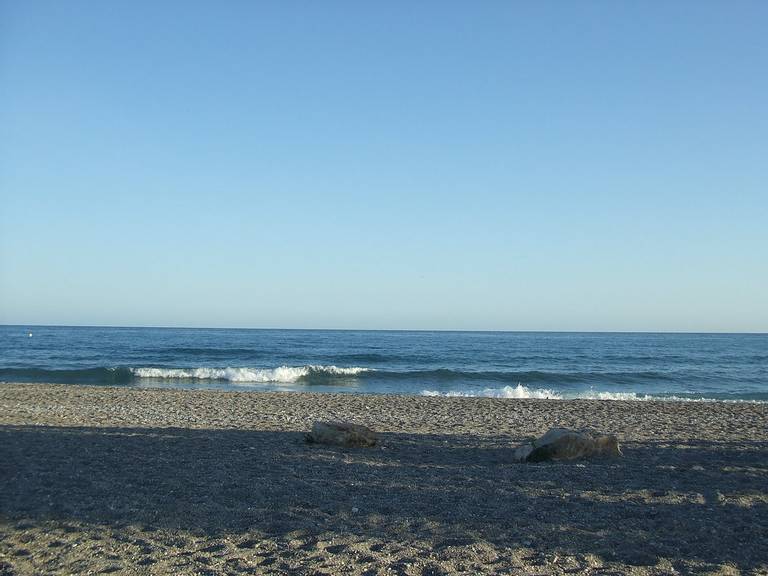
(97, 480)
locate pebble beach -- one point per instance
(98, 480)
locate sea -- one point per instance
(555, 365)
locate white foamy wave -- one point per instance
(633, 396)
(285, 374)
(521, 391)
(518, 391)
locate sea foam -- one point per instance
(518, 391)
(284, 374)
(523, 392)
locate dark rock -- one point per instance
(341, 434)
(564, 444)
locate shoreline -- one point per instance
(525, 392)
(152, 481)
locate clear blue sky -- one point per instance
(491, 165)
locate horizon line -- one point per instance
(723, 332)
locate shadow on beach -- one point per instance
(702, 501)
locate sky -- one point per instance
(385, 165)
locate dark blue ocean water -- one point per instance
(502, 364)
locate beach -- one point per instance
(98, 479)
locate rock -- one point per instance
(522, 452)
(341, 434)
(564, 444)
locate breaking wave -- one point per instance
(127, 376)
(523, 392)
(439, 382)
(283, 374)
(518, 391)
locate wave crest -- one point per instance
(284, 374)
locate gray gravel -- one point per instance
(132, 481)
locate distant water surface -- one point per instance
(499, 364)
